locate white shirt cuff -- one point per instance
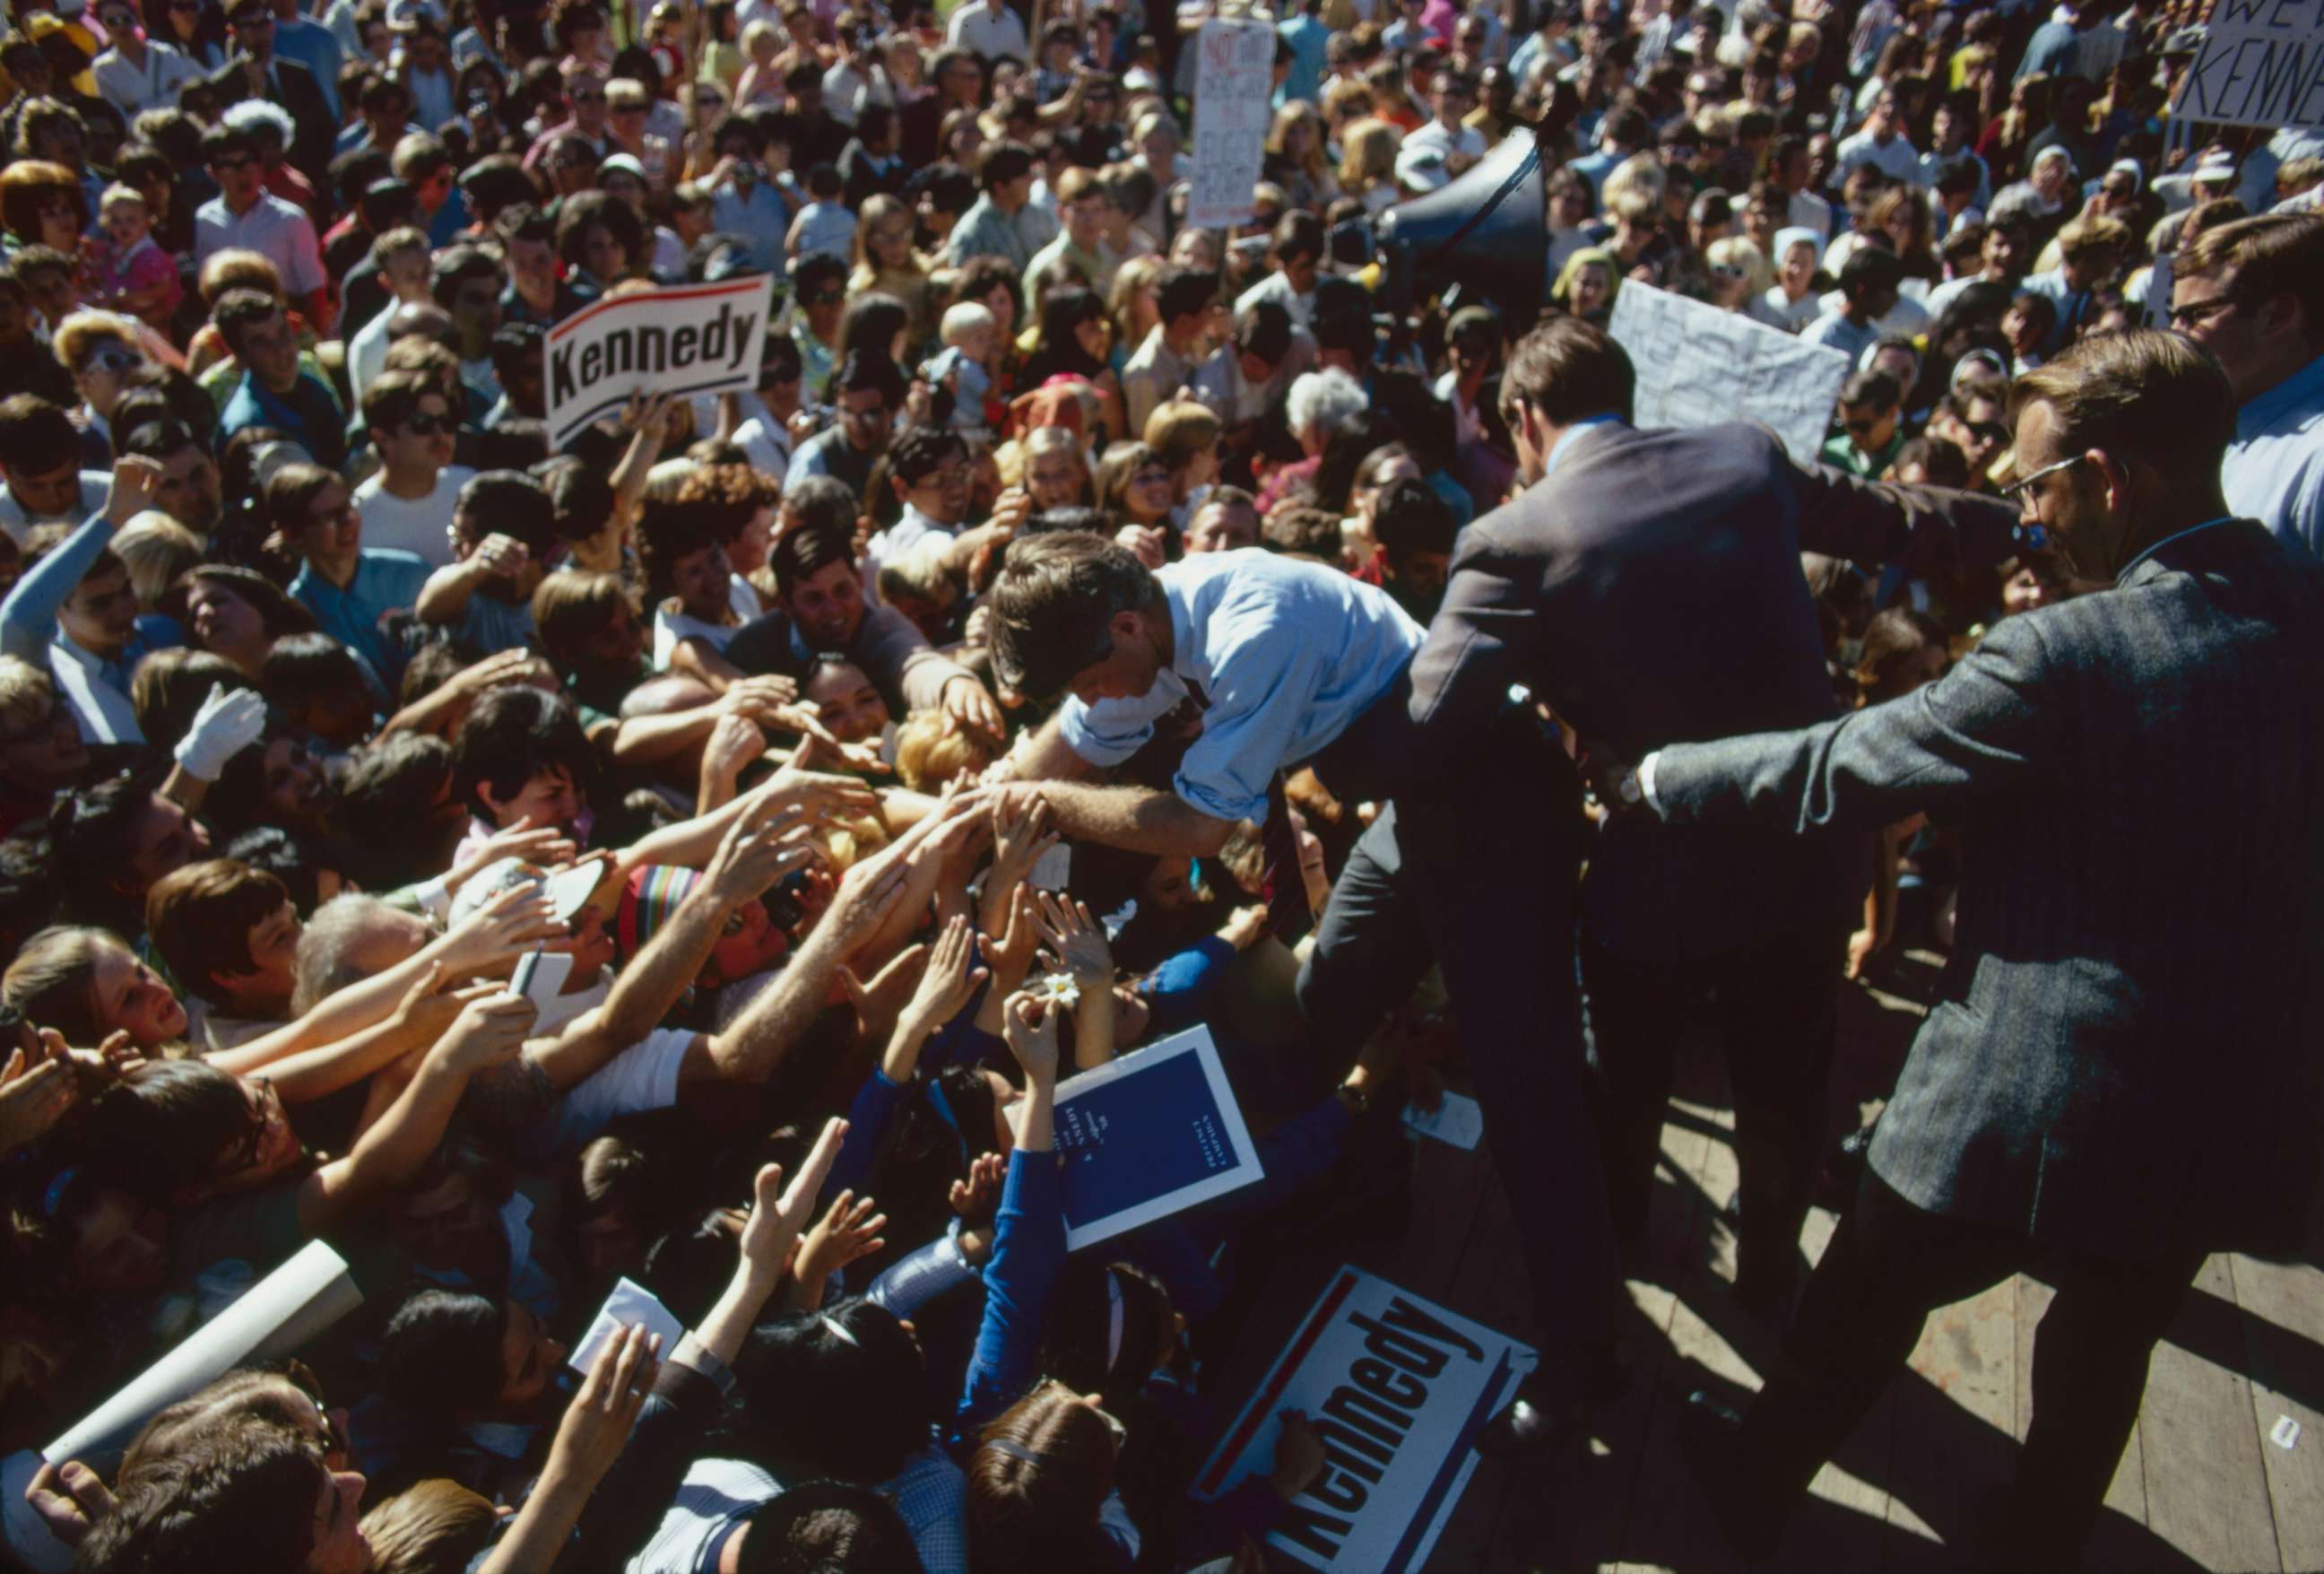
(1647, 781)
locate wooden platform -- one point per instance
(2205, 1483)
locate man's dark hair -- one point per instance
(442, 1354)
(1053, 606)
(806, 551)
(454, 266)
(817, 269)
(862, 370)
(1626, 127)
(512, 735)
(506, 503)
(1408, 517)
(824, 502)
(36, 435)
(1298, 234)
(1872, 388)
(828, 1527)
(237, 310)
(223, 141)
(302, 669)
(922, 450)
(162, 1127)
(159, 441)
(514, 345)
(1002, 163)
(1263, 329)
(237, 1493)
(385, 803)
(1302, 530)
(523, 221)
(1566, 369)
(1868, 271)
(1186, 292)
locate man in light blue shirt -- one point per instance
(75, 616)
(744, 201)
(2251, 292)
(1307, 36)
(1278, 658)
(351, 589)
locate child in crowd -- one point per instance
(127, 271)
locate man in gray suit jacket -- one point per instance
(2123, 1072)
(1646, 586)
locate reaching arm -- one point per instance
(1135, 818)
(1929, 529)
(28, 619)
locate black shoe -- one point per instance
(1527, 1429)
(1707, 1441)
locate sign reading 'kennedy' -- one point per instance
(688, 339)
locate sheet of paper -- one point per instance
(629, 1302)
(1697, 366)
(1397, 1388)
(1149, 1135)
(1233, 81)
(1457, 1119)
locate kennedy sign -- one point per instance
(2260, 63)
(688, 339)
(1398, 1390)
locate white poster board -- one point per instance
(1697, 366)
(1234, 77)
(2260, 63)
(689, 340)
(275, 1317)
(1149, 1135)
(1398, 1389)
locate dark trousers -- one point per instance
(1889, 1265)
(1773, 1003)
(1482, 880)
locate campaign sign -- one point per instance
(1149, 1135)
(1397, 1389)
(2260, 63)
(688, 339)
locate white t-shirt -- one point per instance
(642, 1077)
(421, 525)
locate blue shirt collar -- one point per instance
(1557, 450)
(2304, 387)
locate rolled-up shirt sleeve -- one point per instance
(1109, 732)
(1251, 727)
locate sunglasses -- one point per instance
(428, 425)
(113, 360)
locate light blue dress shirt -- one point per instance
(2274, 468)
(1286, 653)
(96, 689)
(762, 217)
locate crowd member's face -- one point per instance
(425, 438)
(1981, 437)
(847, 703)
(2004, 251)
(53, 492)
(2050, 177)
(254, 35)
(2238, 331)
(44, 753)
(1128, 671)
(1869, 427)
(943, 492)
(627, 188)
(273, 947)
(864, 416)
(615, 646)
(296, 789)
(223, 621)
(700, 581)
(549, 796)
(130, 999)
(602, 253)
(270, 349)
(529, 1357)
(167, 839)
(1220, 527)
(1085, 219)
(340, 1545)
(586, 95)
(121, 1245)
(2082, 270)
(1593, 286)
(334, 530)
(2075, 504)
(962, 81)
(1003, 307)
(532, 264)
(101, 612)
(477, 311)
(2027, 591)
(1053, 477)
(828, 605)
(1147, 494)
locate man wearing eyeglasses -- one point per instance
(408, 506)
(2251, 292)
(2121, 1077)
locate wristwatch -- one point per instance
(1360, 1099)
(1628, 788)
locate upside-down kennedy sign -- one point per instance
(2260, 63)
(688, 339)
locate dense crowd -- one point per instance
(331, 693)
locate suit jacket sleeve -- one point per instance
(1929, 529)
(1999, 721)
(1479, 644)
(896, 657)
(664, 1443)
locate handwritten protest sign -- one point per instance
(1697, 366)
(1233, 78)
(690, 339)
(1149, 1135)
(2260, 63)
(1397, 1389)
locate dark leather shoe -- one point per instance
(1527, 1429)
(1707, 1441)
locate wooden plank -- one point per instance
(2207, 1487)
(2284, 1335)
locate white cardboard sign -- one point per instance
(689, 340)
(1234, 78)
(1697, 366)
(2260, 63)
(1398, 1389)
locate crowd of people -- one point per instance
(693, 854)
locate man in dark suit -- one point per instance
(2123, 1074)
(256, 72)
(1646, 584)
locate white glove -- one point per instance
(225, 725)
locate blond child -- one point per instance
(127, 269)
